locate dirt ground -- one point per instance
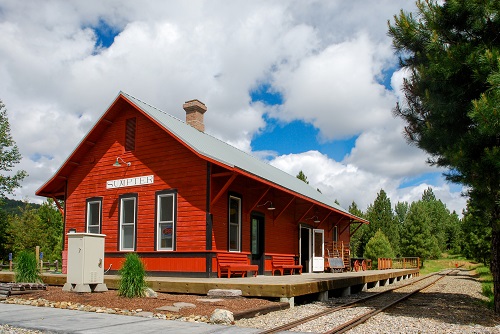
(112, 300)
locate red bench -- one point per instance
(234, 263)
(284, 264)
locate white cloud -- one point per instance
(347, 183)
(326, 57)
(336, 90)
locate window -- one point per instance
(130, 134)
(234, 224)
(128, 217)
(165, 219)
(335, 233)
(94, 214)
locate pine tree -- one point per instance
(476, 235)
(356, 237)
(439, 216)
(378, 247)
(381, 217)
(417, 239)
(451, 51)
(302, 176)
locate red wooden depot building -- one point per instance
(177, 196)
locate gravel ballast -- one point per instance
(453, 305)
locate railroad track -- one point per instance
(374, 304)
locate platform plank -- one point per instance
(261, 286)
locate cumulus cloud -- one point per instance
(333, 88)
(347, 183)
(327, 59)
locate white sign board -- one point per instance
(130, 182)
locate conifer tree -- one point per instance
(417, 239)
(378, 247)
(356, 237)
(451, 51)
(302, 176)
(381, 217)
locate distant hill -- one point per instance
(13, 207)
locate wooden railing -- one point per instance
(398, 263)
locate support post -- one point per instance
(289, 300)
(37, 254)
(323, 296)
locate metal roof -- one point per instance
(215, 149)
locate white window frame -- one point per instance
(159, 196)
(236, 225)
(124, 199)
(88, 226)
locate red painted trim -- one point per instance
(104, 122)
(224, 188)
(259, 200)
(305, 213)
(286, 207)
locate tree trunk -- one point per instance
(495, 267)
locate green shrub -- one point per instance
(378, 247)
(26, 270)
(132, 282)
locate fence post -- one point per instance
(37, 251)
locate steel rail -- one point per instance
(362, 318)
(341, 307)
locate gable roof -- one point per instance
(211, 148)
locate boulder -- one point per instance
(220, 316)
(150, 293)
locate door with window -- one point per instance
(257, 241)
(318, 248)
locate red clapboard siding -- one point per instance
(156, 153)
(181, 264)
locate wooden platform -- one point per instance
(282, 287)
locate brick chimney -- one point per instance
(194, 114)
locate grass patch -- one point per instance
(486, 279)
(446, 262)
(453, 261)
(26, 269)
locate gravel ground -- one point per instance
(453, 305)
(6, 329)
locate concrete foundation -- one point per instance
(290, 301)
(323, 296)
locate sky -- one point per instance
(302, 84)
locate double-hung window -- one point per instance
(166, 207)
(128, 221)
(234, 224)
(94, 215)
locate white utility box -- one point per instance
(85, 263)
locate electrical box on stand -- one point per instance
(85, 271)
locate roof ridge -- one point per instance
(319, 196)
(203, 132)
(151, 106)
